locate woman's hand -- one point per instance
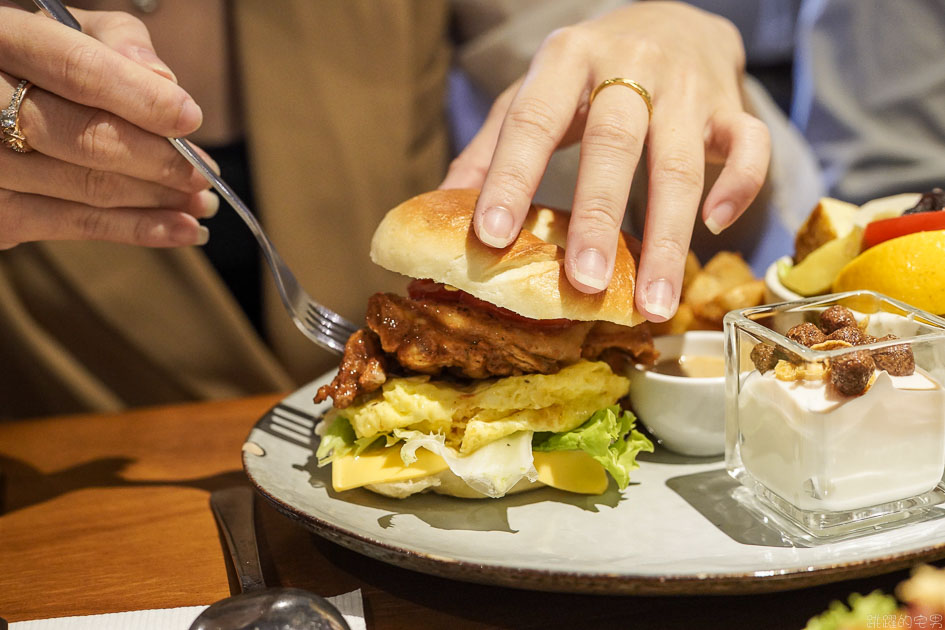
(691, 62)
(97, 118)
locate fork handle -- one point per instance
(233, 509)
(56, 10)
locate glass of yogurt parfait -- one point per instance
(835, 412)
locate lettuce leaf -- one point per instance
(338, 439)
(863, 609)
(608, 436)
(491, 469)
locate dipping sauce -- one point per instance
(693, 366)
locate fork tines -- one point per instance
(330, 327)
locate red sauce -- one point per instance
(436, 291)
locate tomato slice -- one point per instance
(426, 289)
(885, 229)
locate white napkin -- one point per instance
(349, 604)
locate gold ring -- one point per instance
(633, 85)
(10, 120)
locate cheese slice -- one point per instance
(573, 471)
(382, 466)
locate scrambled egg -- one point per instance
(483, 412)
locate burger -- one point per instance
(493, 374)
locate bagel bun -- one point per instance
(431, 236)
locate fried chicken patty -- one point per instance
(428, 336)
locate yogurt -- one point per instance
(822, 451)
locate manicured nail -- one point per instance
(190, 116)
(210, 203)
(183, 235)
(496, 227)
(590, 268)
(148, 59)
(658, 298)
(720, 218)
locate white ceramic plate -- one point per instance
(679, 528)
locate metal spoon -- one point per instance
(259, 607)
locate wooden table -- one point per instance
(108, 513)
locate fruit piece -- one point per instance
(817, 271)
(885, 208)
(908, 268)
(886, 229)
(831, 219)
(930, 202)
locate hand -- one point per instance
(97, 117)
(691, 62)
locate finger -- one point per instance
(610, 149)
(96, 139)
(126, 35)
(537, 118)
(25, 218)
(35, 173)
(676, 163)
(746, 143)
(81, 69)
(469, 168)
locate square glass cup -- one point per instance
(822, 461)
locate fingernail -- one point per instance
(147, 58)
(190, 116)
(658, 298)
(590, 268)
(496, 227)
(210, 203)
(720, 218)
(183, 235)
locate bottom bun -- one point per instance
(445, 483)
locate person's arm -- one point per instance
(691, 63)
(100, 106)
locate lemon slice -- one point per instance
(910, 268)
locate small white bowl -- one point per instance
(774, 290)
(686, 414)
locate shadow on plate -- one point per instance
(738, 513)
(664, 456)
(716, 496)
(451, 513)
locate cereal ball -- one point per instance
(764, 356)
(836, 317)
(897, 360)
(851, 373)
(806, 334)
(851, 334)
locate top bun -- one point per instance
(431, 236)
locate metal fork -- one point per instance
(319, 323)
